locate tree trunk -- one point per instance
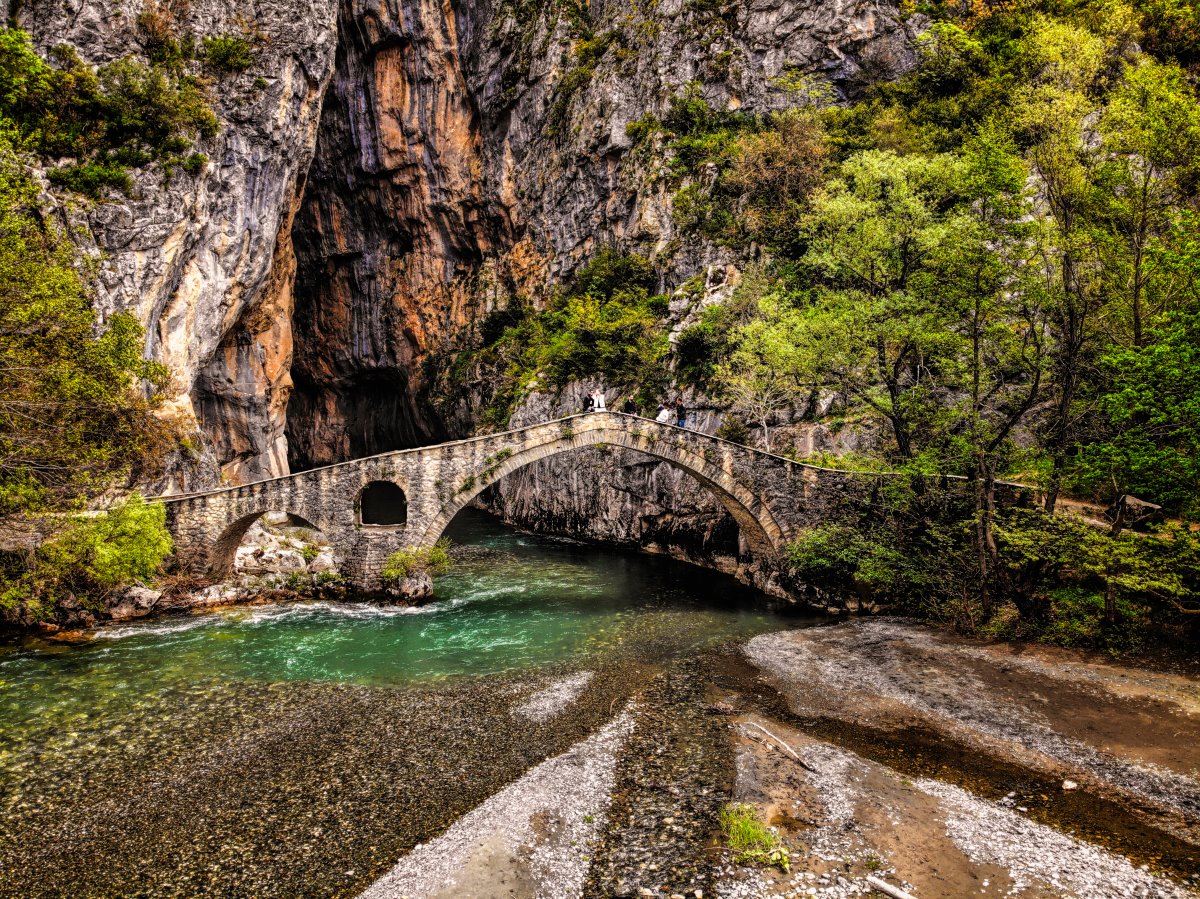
(989, 556)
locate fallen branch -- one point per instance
(786, 748)
(887, 889)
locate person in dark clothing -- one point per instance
(680, 415)
(589, 403)
(630, 407)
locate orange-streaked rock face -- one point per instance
(464, 158)
(393, 231)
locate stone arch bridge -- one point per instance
(770, 497)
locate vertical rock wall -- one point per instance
(469, 153)
(203, 261)
(391, 235)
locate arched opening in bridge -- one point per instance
(382, 503)
(272, 546)
(662, 494)
(609, 494)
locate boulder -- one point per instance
(134, 602)
(416, 586)
(323, 561)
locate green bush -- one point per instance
(92, 179)
(827, 555)
(94, 421)
(411, 561)
(161, 38)
(88, 559)
(1076, 618)
(228, 53)
(733, 429)
(194, 164)
(120, 116)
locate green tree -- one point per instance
(1149, 170)
(74, 408)
(874, 234)
(1151, 447)
(1048, 119)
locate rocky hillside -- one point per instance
(387, 176)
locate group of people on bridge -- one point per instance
(595, 402)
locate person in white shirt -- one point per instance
(598, 396)
(664, 414)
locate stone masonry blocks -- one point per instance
(771, 498)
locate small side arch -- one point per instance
(758, 525)
(223, 555)
(382, 504)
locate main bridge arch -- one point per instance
(763, 533)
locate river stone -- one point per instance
(134, 602)
(416, 586)
(323, 562)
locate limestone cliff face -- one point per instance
(204, 262)
(392, 233)
(407, 167)
(469, 153)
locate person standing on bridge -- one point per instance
(680, 415)
(589, 402)
(630, 407)
(599, 400)
(664, 414)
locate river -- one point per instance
(271, 749)
(567, 720)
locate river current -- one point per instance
(168, 756)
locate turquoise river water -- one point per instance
(126, 762)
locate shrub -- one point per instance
(750, 840)
(228, 53)
(88, 559)
(733, 429)
(195, 163)
(122, 115)
(411, 561)
(92, 178)
(643, 128)
(828, 554)
(161, 38)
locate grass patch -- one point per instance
(750, 840)
(411, 561)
